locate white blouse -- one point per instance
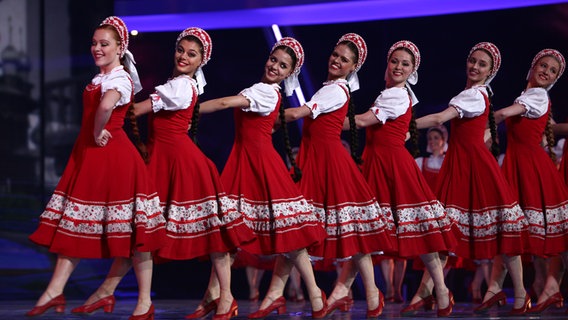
(332, 96)
(432, 162)
(535, 100)
(391, 104)
(117, 79)
(175, 94)
(262, 98)
(470, 103)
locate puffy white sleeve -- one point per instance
(327, 99)
(535, 101)
(176, 94)
(262, 98)
(469, 103)
(120, 81)
(391, 104)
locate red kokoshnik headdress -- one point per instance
(205, 39)
(413, 77)
(407, 45)
(291, 82)
(495, 56)
(556, 55)
(125, 54)
(296, 47)
(121, 29)
(359, 42)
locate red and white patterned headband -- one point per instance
(296, 47)
(553, 53)
(359, 42)
(205, 39)
(493, 51)
(121, 29)
(407, 45)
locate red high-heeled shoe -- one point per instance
(149, 315)
(447, 310)
(107, 303)
(233, 312)
(375, 313)
(499, 298)
(58, 303)
(522, 310)
(321, 313)
(427, 303)
(279, 305)
(205, 310)
(344, 304)
(553, 299)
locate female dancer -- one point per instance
(423, 229)
(492, 224)
(437, 145)
(258, 181)
(200, 218)
(104, 205)
(532, 173)
(343, 201)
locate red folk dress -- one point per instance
(105, 204)
(473, 189)
(332, 182)
(535, 180)
(429, 171)
(200, 217)
(259, 183)
(398, 184)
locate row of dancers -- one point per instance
(172, 204)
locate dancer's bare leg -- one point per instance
(515, 267)
(553, 278)
(398, 277)
(387, 269)
(222, 269)
(254, 277)
(540, 272)
(436, 270)
(118, 270)
(64, 266)
(278, 281)
(143, 265)
(301, 261)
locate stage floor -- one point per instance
(177, 309)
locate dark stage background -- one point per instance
(27, 177)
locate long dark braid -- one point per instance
(136, 133)
(354, 142)
(550, 137)
(413, 135)
(194, 123)
(297, 174)
(493, 127)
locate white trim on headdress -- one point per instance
(359, 42)
(495, 56)
(444, 133)
(207, 45)
(552, 53)
(413, 77)
(125, 54)
(292, 81)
